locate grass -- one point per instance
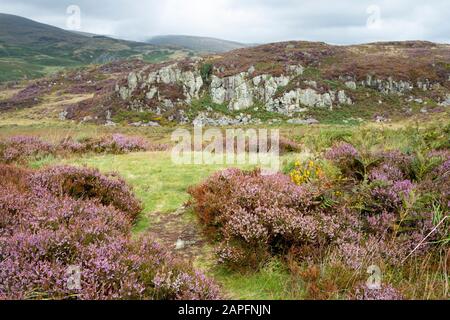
(158, 183)
(273, 282)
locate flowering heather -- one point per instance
(391, 196)
(386, 172)
(346, 157)
(120, 143)
(286, 145)
(86, 183)
(253, 211)
(444, 170)
(386, 292)
(20, 147)
(68, 145)
(43, 233)
(342, 152)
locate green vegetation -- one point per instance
(160, 184)
(29, 49)
(157, 56)
(162, 187)
(206, 70)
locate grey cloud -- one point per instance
(339, 22)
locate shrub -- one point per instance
(87, 184)
(303, 174)
(386, 292)
(206, 70)
(287, 145)
(43, 233)
(116, 144)
(392, 195)
(255, 214)
(19, 148)
(347, 158)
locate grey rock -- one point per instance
(446, 102)
(63, 115)
(351, 85)
(309, 121)
(110, 123)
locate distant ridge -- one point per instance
(30, 49)
(197, 44)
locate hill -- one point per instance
(197, 44)
(30, 49)
(291, 82)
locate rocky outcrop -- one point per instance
(161, 89)
(389, 85)
(214, 119)
(296, 100)
(242, 91)
(144, 89)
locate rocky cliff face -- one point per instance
(148, 90)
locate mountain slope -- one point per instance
(31, 49)
(197, 44)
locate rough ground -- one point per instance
(179, 233)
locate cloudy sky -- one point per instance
(253, 21)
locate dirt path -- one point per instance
(179, 233)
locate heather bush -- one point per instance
(116, 144)
(87, 184)
(45, 229)
(255, 215)
(391, 195)
(385, 208)
(347, 158)
(18, 148)
(21, 148)
(386, 292)
(286, 145)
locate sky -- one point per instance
(250, 21)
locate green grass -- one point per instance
(273, 282)
(160, 184)
(157, 56)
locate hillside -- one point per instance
(29, 49)
(291, 82)
(197, 44)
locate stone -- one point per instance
(297, 70)
(180, 244)
(446, 102)
(311, 83)
(351, 85)
(342, 98)
(110, 123)
(381, 119)
(153, 124)
(63, 115)
(309, 121)
(217, 90)
(151, 93)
